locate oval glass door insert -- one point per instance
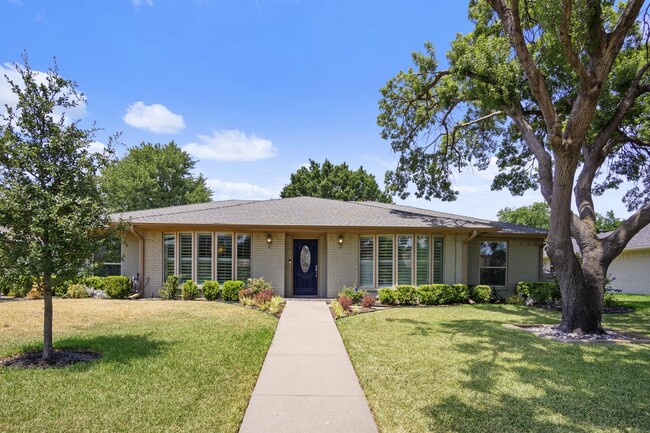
(305, 259)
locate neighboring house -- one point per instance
(309, 246)
(630, 271)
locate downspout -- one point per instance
(471, 237)
(140, 291)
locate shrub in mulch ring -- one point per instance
(61, 358)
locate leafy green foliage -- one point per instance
(258, 284)
(96, 283)
(387, 296)
(153, 175)
(189, 290)
(117, 286)
(338, 309)
(480, 294)
(607, 223)
(407, 295)
(355, 294)
(211, 290)
(230, 290)
(276, 306)
(539, 292)
(77, 291)
(336, 182)
(514, 299)
(535, 215)
(459, 293)
(170, 288)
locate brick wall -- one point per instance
(342, 262)
(268, 260)
(130, 255)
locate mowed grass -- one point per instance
(457, 369)
(167, 366)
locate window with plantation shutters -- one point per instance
(184, 257)
(423, 259)
(405, 259)
(224, 257)
(203, 257)
(169, 258)
(366, 261)
(243, 257)
(385, 260)
(438, 246)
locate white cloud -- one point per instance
(138, 3)
(8, 97)
(223, 190)
(96, 146)
(155, 118)
(231, 145)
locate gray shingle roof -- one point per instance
(640, 240)
(315, 212)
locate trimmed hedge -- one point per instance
(459, 293)
(355, 294)
(387, 296)
(480, 294)
(189, 290)
(211, 290)
(540, 293)
(96, 283)
(117, 286)
(169, 289)
(431, 294)
(230, 290)
(77, 291)
(407, 295)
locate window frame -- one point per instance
(480, 266)
(195, 258)
(374, 271)
(233, 256)
(164, 258)
(235, 272)
(397, 259)
(179, 258)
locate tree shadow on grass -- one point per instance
(114, 348)
(549, 386)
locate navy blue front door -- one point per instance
(305, 267)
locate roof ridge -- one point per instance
(238, 203)
(442, 214)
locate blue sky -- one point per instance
(251, 88)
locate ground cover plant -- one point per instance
(457, 369)
(165, 366)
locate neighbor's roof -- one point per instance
(314, 212)
(640, 240)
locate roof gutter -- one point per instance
(137, 234)
(471, 237)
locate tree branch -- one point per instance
(618, 239)
(586, 79)
(512, 25)
(616, 38)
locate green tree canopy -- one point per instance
(539, 215)
(51, 206)
(151, 176)
(336, 182)
(557, 92)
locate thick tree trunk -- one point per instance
(582, 298)
(48, 349)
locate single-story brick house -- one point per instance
(630, 271)
(309, 246)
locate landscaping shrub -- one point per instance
(276, 305)
(540, 293)
(338, 309)
(189, 290)
(459, 293)
(356, 294)
(77, 291)
(35, 293)
(368, 301)
(480, 294)
(514, 299)
(258, 284)
(387, 296)
(117, 286)
(15, 286)
(345, 301)
(211, 290)
(96, 283)
(244, 294)
(407, 295)
(230, 290)
(431, 294)
(263, 297)
(169, 290)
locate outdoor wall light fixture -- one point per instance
(340, 240)
(269, 239)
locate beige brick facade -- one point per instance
(268, 260)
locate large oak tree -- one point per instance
(557, 91)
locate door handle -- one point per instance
(316, 266)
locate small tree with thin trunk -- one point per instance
(51, 207)
(558, 92)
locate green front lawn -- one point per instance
(167, 366)
(457, 369)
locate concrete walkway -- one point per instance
(307, 383)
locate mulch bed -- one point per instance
(61, 358)
(606, 310)
(552, 332)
